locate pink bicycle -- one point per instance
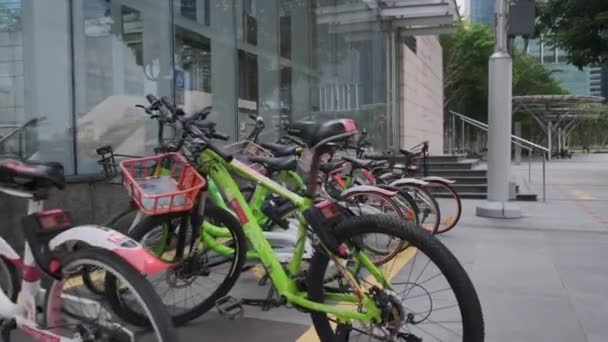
(66, 310)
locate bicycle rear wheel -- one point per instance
(371, 202)
(429, 216)
(72, 310)
(431, 296)
(449, 204)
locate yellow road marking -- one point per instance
(583, 195)
(396, 264)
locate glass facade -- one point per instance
(274, 58)
(482, 11)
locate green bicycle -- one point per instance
(422, 293)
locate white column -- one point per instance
(499, 122)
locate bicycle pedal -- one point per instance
(229, 307)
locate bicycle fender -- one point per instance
(367, 188)
(438, 179)
(408, 181)
(106, 238)
(8, 252)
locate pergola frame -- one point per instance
(558, 113)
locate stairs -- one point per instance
(471, 181)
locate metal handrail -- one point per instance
(518, 141)
(484, 126)
(20, 128)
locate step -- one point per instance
(469, 195)
(444, 159)
(469, 180)
(465, 165)
(460, 188)
(447, 173)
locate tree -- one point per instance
(465, 76)
(466, 55)
(579, 27)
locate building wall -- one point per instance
(422, 94)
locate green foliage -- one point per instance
(579, 27)
(466, 55)
(591, 132)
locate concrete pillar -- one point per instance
(47, 77)
(517, 129)
(268, 63)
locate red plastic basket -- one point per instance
(161, 184)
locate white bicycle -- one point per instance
(66, 310)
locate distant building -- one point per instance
(573, 79)
(480, 11)
(595, 81)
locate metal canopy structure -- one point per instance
(409, 17)
(558, 113)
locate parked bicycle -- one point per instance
(62, 251)
(363, 299)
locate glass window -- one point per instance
(120, 54)
(34, 60)
(205, 63)
(351, 81)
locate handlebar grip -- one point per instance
(165, 101)
(219, 136)
(151, 98)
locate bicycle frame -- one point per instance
(25, 310)
(220, 172)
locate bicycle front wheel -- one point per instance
(73, 311)
(200, 277)
(430, 296)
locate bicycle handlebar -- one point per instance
(193, 125)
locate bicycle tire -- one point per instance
(11, 277)
(430, 200)
(442, 229)
(115, 223)
(211, 212)
(464, 291)
(385, 255)
(159, 319)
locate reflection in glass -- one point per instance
(118, 58)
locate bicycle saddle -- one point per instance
(277, 164)
(358, 163)
(281, 150)
(314, 134)
(31, 175)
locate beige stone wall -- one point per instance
(422, 95)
